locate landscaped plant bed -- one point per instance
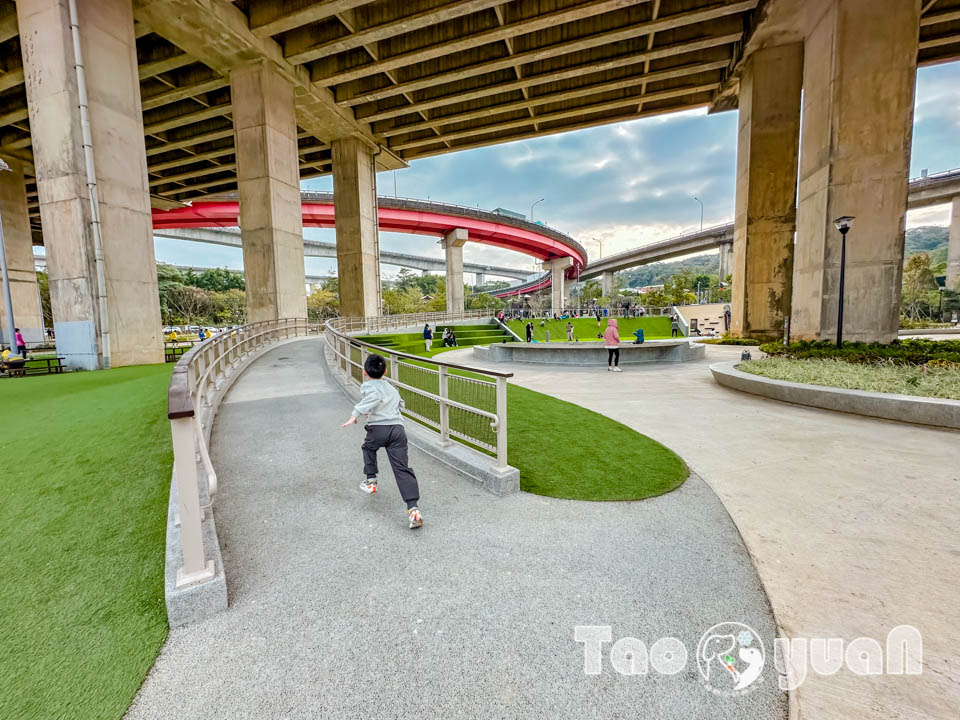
(909, 351)
(936, 378)
(727, 340)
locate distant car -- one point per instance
(193, 328)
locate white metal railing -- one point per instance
(196, 379)
(384, 323)
(458, 402)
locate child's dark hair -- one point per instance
(375, 366)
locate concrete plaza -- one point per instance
(850, 521)
(338, 610)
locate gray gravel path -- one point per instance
(338, 610)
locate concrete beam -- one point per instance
(578, 45)
(767, 144)
(183, 92)
(272, 17)
(218, 35)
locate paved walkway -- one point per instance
(853, 523)
(338, 610)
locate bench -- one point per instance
(172, 353)
(50, 366)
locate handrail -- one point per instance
(196, 377)
(341, 345)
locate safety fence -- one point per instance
(462, 404)
(194, 391)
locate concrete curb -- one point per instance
(196, 602)
(474, 465)
(929, 331)
(937, 412)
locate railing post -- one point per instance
(196, 568)
(444, 409)
(501, 422)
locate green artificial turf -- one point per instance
(86, 473)
(607, 461)
(585, 329)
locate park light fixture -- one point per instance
(533, 206)
(8, 303)
(842, 224)
(701, 211)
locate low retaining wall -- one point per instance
(938, 412)
(590, 353)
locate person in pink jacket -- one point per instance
(611, 341)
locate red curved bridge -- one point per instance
(420, 217)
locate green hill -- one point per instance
(930, 239)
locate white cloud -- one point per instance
(935, 215)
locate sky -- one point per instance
(622, 185)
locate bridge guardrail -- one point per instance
(196, 378)
(460, 403)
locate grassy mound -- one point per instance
(587, 328)
(412, 343)
(86, 476)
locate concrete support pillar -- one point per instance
(116, 122)
(726, 260)
(558, 269)
(355, 210)
(479, 279)
(767, 146)
(453, 243)
(268, 182)
(606, 283)
(953, 250)
(18, 246)
(859, 79)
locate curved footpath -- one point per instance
(852, 522)
(338, 610)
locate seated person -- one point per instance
(638, 334)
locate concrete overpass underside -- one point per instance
(190, 98)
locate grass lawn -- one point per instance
(931, 380)
(587, 328)
(87, 460)
(607, 461)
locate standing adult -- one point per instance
(570, 331)
(21, 345)
(726, 318)
(427, 336)
(529, 332)
(674, 326)
(611, 341)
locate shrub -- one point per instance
(912, 351)
(730, 340)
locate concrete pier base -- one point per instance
(558, 270)
(453, 244)
(953, 250)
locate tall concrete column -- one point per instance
(355, 211)
(268, 181)
(479, 279)
(558, 268)
(116, 122)
(453, 243)
(606, 283)
(953, 250)
(767, 145)
(18, 246)
(858, 80)
(726, 260)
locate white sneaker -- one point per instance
(369, 486)
(416, 518)
(609, 368)
(616, 369)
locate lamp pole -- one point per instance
(8, 303)
(533, 206)
(843, 225)
(599, 242)
(940, 306)
(701, 212)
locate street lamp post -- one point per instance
(599, 242)
(8, 303)
(843, 225)
(533, 206)
(701, 212)
(940, 305)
